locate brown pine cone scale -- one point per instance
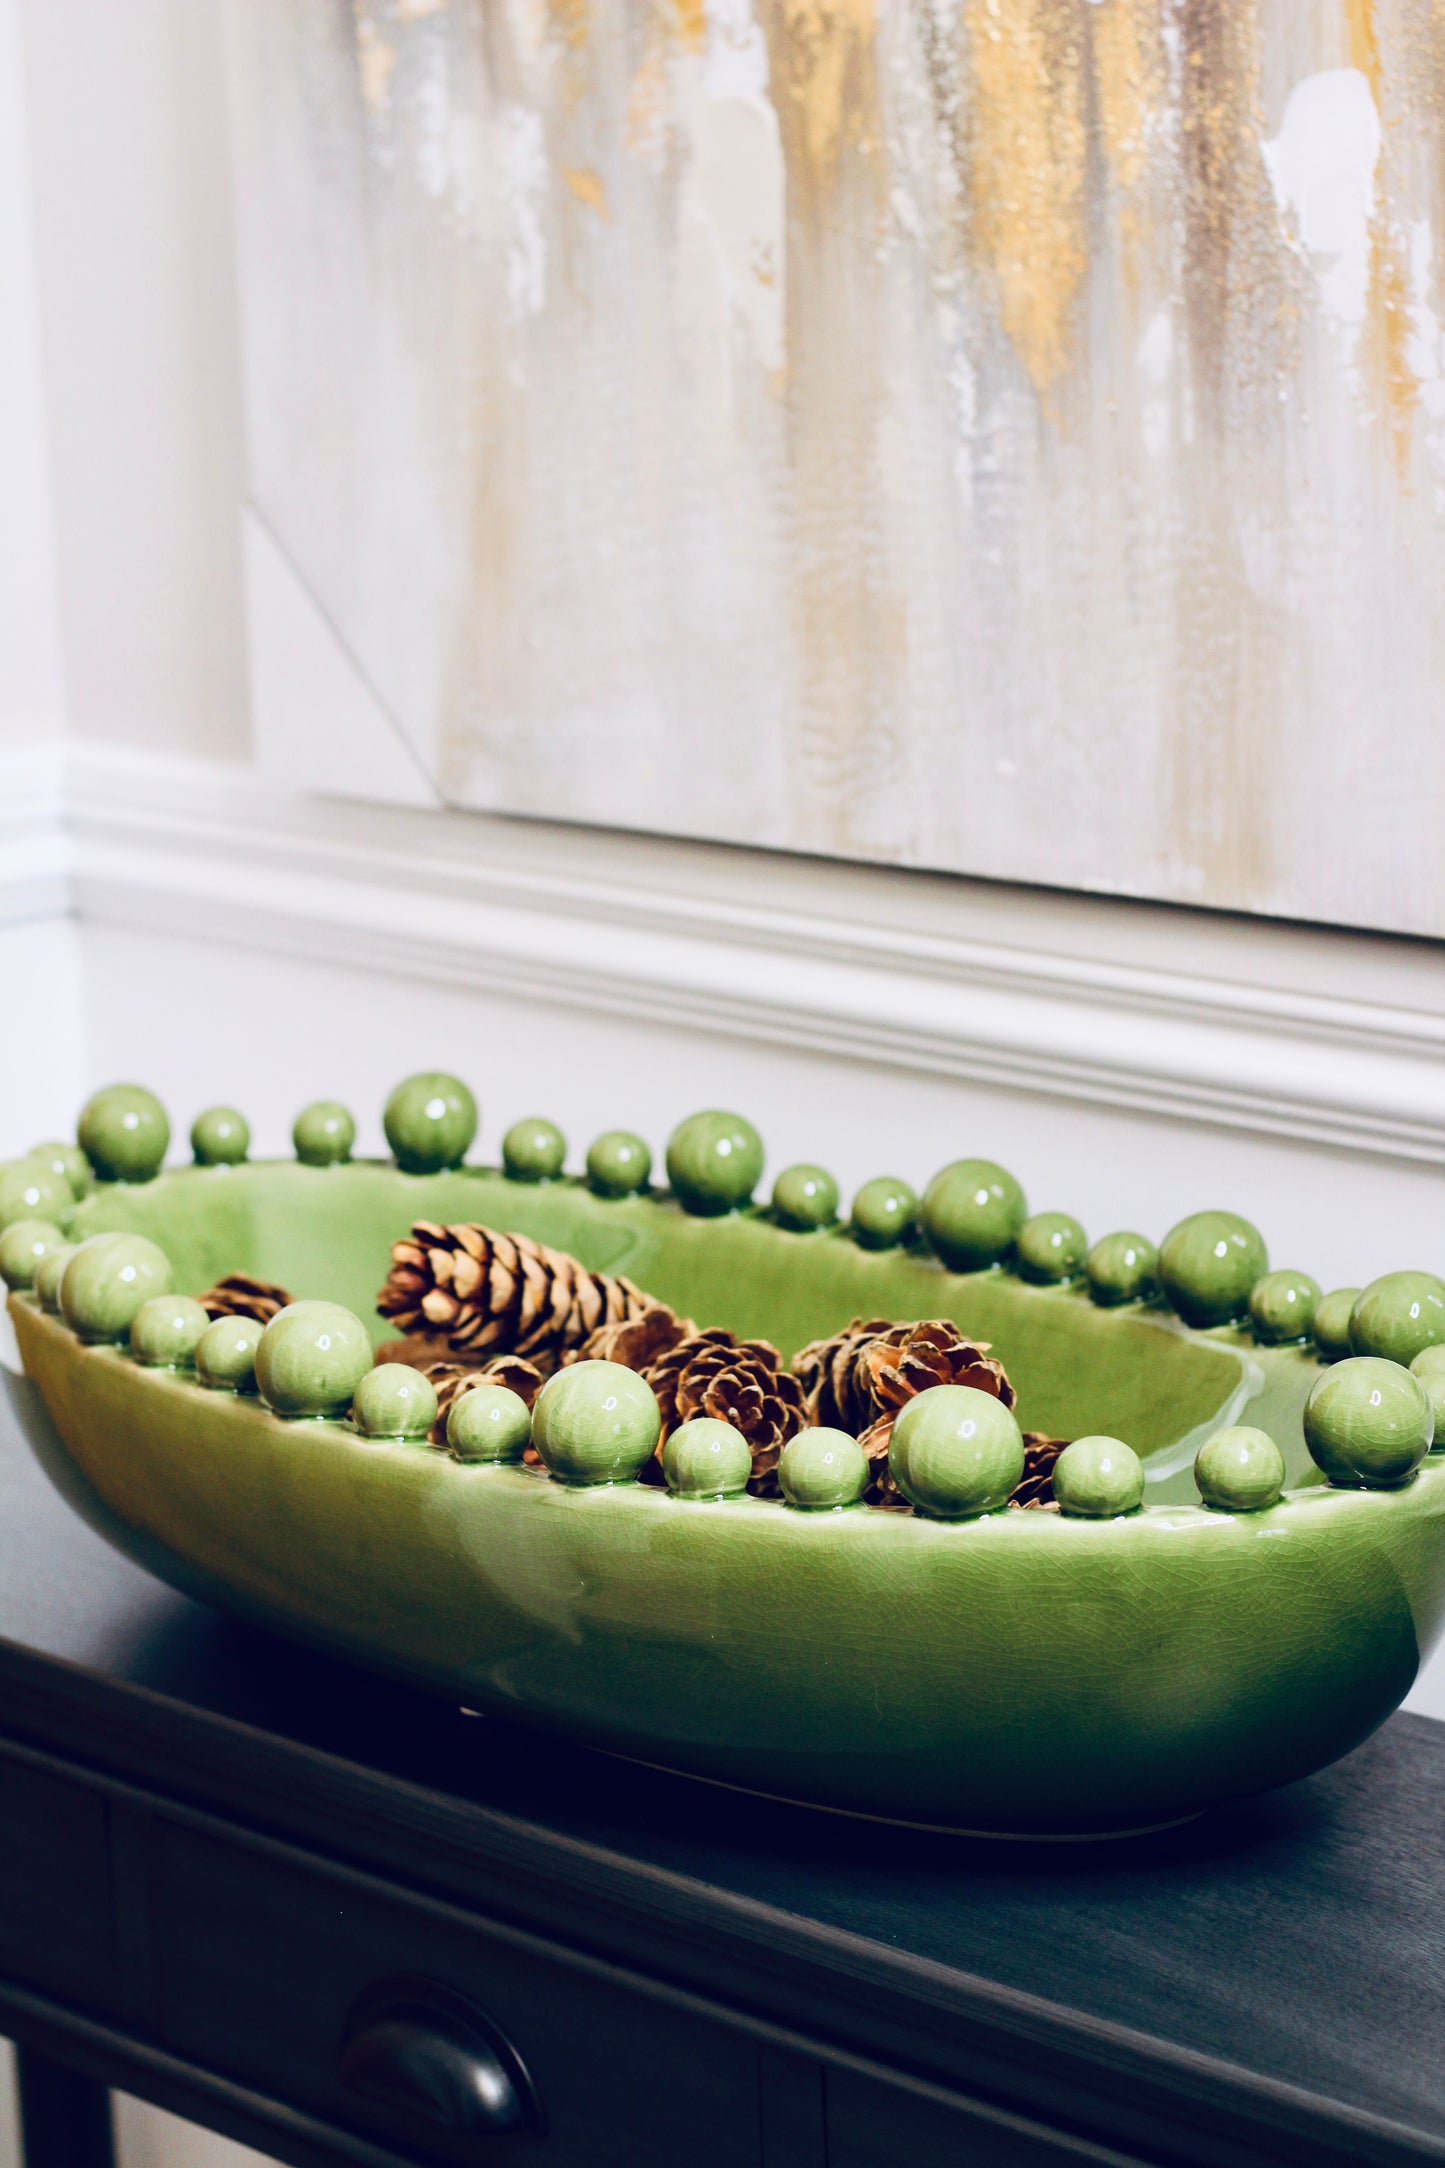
(239, 1295)
(489, 1293)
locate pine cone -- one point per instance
(451, 1380)
(493, 1294)
(741, 1382)
(635, 1341)
(863, 1377)
(238, 1295)
(1037, 1486)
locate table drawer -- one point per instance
(55, 1884)
(259, 1958)
(875, 2124)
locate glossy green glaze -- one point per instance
(1097, 1478)
(69, 1162)
(430, 1122)
(534, 1150)
(619, 1164)
(124, 1132)
(1282, 1307)
(822, 1470)
(972, 1212)
(1208, 1265)
(489, 1423)
(220, 1137)
(706, 1460)
(805, 1197)
(714, 1162)
(1240, 1470)
(323, 1134)
(596, 1423)
(50, 1274)
(166, 1331)
(1051, 1247)
(29, 1190)
(105, 1283)
(226, 1355)
(1429, 1368)
(311, 1359)
(394, 1401)
(1332, 1323)
(956, 1452)
(884, 1213)
(1369, 1421)
(1399, 1315)
(24, 1246)
(1122, 1267)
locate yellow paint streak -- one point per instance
(823, 71)
(572, 21)
(588, 187)
(1363, 42)
(690, 24)
(375, 59)
(1131, 96)
(1029, 154)
(1386, 336)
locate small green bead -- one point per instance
(1332, 1322)
(1051, 1247)
(220, 1137)
(166, 1331)
(714, 1162)
(1369, 1421)
(125, 1133)
(1098, 1478)
(1208, 1264)
(956, 1452)
(323, 1134)
(311, 1358)
(226, 1355)
(50, 1275)
(1429, 1368)
(596, 1422)
(533, 1150)
(394, 1401)
(1282, 1307)
(69, 1162)
(1121, 1268)
(29, 1190)
(805, 1197)
(430, 1121)
(706, 1460)
(1240, 1470)
(972, 1213)
(489, 1423)
(822, 1470)
(107, 1280)
(885, 1213)
(1399, 1315)
(618, 1164)
(24, 1247)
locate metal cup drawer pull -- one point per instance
(424, 2051)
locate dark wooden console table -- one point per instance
(346, 1924)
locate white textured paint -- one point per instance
(1322, 167)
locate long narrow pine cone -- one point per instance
(238, 1295)
(492, 1294)
(861, 1378)
(741, 1382)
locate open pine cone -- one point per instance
(492, 1293)
(451, 1380)
(741, 1382)
(238, 1295)
(637, 1342)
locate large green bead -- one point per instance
(805, 1197)
(50, 1274)
(394, 1401)
(1282, 1307)
(69, 1162)
(1208, 1264)
(124, 1132)
(166, 1331)
(1398, 1315)
(226, 1355)
(311, 1358)
(1098, 1478)
(822, 1470)
(1122, 1267)
(533, 1150)
(220, 1137)
(489, 1423)
(107, 1280)
(24, 1246)
(1369, 1421)
(884, 1213)
(1332, 1322)
(29, 1190)
(956, 1452)
(323, 1134)
(1051, 1247)
(1429, 1368)
(714, 1162)
(972, 1213)
(618, 1163)
(596, 1422)
(430, 1121)
(1240, 1470)
(706, 1460)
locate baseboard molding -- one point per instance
(1329, 1038)
(34, 848)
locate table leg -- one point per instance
(64, 2117)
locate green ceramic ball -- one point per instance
(1399, 1315)
(706, 1459)
(1282, 1307)
(533, 1150)
(1369, 1421)
(311, 1358)
(618, 1163)
(107, 1280)
(24, 1247)
(1208, 1264)
(1429, 1368)
(805, 1197)
(29, 1190)
(220, 1137)
(1332, 1322)
(69, 1162)
(1098, 1478)
(489, 1423)
(323, 1134)
(1051, 1247)
(430, 1121)
(885, 1213)
(124, 1132)
(714, 1162)
(956, 1452)
(1122, 1267)
(226, 1355)
(822, 1470)
(50, 1274)
(166, 1331)
(596, 1422)
(972, 1213)
(1240, 1470)
(394, 1401)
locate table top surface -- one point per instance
(1298, 1939)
